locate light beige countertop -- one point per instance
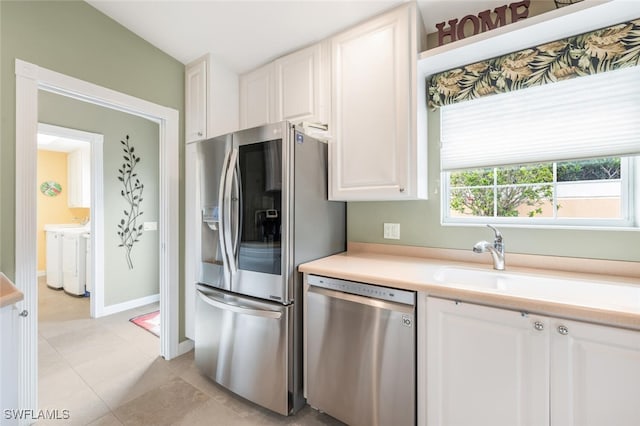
(9, 293)
(418, 270)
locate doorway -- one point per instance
(70, 199)
(30, 79)
(127, 252)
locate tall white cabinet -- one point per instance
(492, 366)
(379, 146)
(211, 109)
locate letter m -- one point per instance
(488, 23)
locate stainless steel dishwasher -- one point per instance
(360, 352)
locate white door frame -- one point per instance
(95, 140)
(29, 79)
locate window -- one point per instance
(558, 154)
(584, 192)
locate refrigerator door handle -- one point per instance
(221, 209)
(226, 226)
(212, 300)
(236, 196)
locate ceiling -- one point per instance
(243, 35)
(48, 142)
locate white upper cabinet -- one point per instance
(293, 87)
(256, 97)
(79, 178)
(379, 149)
(300, 85)
(196, 101)
(211, 100)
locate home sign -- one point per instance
(484, 21)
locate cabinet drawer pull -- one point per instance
(563, 330)
(538, 325)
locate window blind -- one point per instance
(587, 117)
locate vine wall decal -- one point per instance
(128, 229)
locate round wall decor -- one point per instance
(50, 188)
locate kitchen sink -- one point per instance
(582, 292)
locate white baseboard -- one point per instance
(184, 347)
(41, 273)
(131, 304)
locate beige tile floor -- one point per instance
(107, 372)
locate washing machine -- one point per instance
(73, 261)
(54, 258)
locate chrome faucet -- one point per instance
(496, 249)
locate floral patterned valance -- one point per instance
(594, 52)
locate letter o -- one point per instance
(463, 23)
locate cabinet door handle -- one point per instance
(563, 330)
(24, 313)
(199, 133)
(538, 325)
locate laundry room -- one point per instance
(64, 195)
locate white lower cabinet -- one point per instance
(492, 366)
(595, 376)
(8, 364)
(485, 366)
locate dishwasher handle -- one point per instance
(212, 300)
(362, 300)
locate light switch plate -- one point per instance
(392, 231)
(150, 226)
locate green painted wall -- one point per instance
(73, 38)
(420, 225)
(121, 284)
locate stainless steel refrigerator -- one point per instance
(263, 193)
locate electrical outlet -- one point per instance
(392, 231)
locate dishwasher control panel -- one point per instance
(362, 289)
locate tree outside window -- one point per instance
(584, 189)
